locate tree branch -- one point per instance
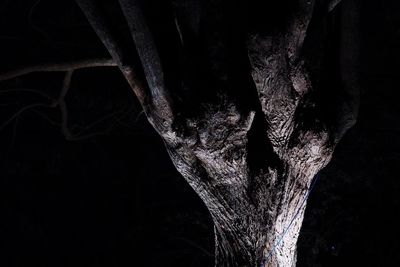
(67, 66)
(150, 91)
(104, 30)
(347, 109)
(333, 4)
(147, 51)
(298, 27)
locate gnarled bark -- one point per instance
(250, 157)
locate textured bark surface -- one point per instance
(251, 157)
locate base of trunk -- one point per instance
(232, 255)
(275, 247)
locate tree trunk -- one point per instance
(273, 240)
(257, 216)
(251, 157)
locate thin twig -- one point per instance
(98, 121)
(47, 118)
(63, 106)
(26, 90)
(19, 112)
(80, 137)
(66, 66)
(33, 24)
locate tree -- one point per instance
(250, 101)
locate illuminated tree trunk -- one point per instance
(249, 135)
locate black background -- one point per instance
(113, 198)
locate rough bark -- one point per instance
(251, 162)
